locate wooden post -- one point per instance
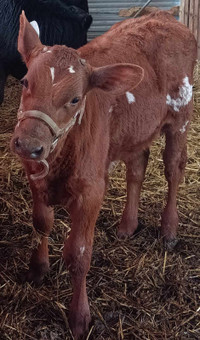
(190, 16)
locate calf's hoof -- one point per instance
(170, 244)
(37, 272)
(79, 323)
(169, 226)
(169, 239)
(127, 228)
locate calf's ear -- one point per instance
(28, 39)
(117, 78)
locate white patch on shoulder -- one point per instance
(130, 97)
(52, 69)
(49, 51)
(82, 250)
(183, 129)
(185, 96)
(71, 69)
(34, 24)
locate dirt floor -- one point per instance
(136, 289)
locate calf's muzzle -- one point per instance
(22, 147)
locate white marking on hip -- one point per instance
(130, 97)
(71, 69)
(183, 129)
(52, 73)
(185, 96)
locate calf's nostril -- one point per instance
(37, 152)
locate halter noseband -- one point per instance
(53, 127)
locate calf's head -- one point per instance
(54, 92)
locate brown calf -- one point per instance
(82, 110)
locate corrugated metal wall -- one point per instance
(105, 12)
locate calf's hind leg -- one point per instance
(135, 172)
(43, 218)
(175, 157)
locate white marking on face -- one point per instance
(71, 69)
(34, 24)
(52, 69)
(82, 250)
(49, 51)
(185, 96)
(183, 129)
(110, 109)
(130, 97)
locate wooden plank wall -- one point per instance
(190, 16)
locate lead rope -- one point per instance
(57, 132)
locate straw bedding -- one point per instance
(137, 289)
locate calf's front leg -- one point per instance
(43, 218)
(77, 253)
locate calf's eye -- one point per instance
(75, 101)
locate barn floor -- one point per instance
(136, 289)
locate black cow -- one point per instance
(63, 22)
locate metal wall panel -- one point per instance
(105, 12)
